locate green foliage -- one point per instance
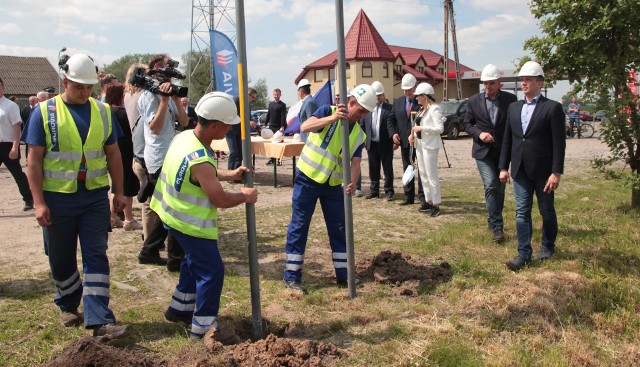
(595, 44)
(262, 99)
(119, 67)
(197, 67)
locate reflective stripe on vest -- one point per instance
(64, 148)
(321, 157)
(179, 203)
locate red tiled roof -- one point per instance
(411, 55)
(26, 75)
(363, 42)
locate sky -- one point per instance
(282, 36)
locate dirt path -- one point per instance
(21, 240)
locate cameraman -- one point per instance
(157, 114)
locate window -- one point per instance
(332, 74)
(348, 71)
(440, 70)
(317, 75)
(420, 69)
(367, 70)
(398, 68)
(385, 70)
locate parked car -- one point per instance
(600, 115)
(586, 116)
(453, 111)
(258, 116)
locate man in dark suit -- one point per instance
(485, 122)
(379, 145)
(399, 128)
(534, 144)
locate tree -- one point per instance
(197, 67)
(262, 99)
(120, 66)
(596, 43)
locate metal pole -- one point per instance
(455, 51)
(245, 112)
(445, 88)
(346, 156)
(190, 55)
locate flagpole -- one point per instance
(245, 133)
(346, 156)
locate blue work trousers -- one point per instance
(523, 190)
(200, 285)
(83, 215)
(493, 191)
(306, 193)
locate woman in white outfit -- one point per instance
(426, 139)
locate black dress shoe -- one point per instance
(390, 198)
(425, 207)
(406, 202)
(295, 286)
(371, 196)
(518, 263)
(498, 235)
(173, 267)
(152, 259)
(543, 255)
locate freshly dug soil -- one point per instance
(87, 352)
(408, 276)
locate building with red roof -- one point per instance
(368, 58)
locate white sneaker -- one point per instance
(359, 193)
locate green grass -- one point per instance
(578, 309)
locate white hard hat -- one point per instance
(218, 106)
(490, 72)
(378, 88)
(365, 96)
(297, 137)
(303, 83)
(278, 137)
(424, 88)
(80, 68)
(531, 68)
(408, 81)
(266, 133)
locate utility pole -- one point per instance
(449, 18)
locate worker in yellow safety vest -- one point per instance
(186, 198)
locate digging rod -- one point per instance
(245, 133)
(346, 156)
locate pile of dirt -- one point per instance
(406, 274)
(274, 352)
(87, 351)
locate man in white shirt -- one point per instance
(10, 145)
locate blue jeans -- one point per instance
(574, 121)
(493, 191)
(306, 193)
(234, 141)
(523, 190)
(82, 215)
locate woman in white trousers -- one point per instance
(426, 139)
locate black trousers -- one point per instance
(410, 189)
(13, 165)
(155, 242)
(379, 155)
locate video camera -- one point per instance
(151, 79)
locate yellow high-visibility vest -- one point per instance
(64, 148)
(180, 204)
(321, 157)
